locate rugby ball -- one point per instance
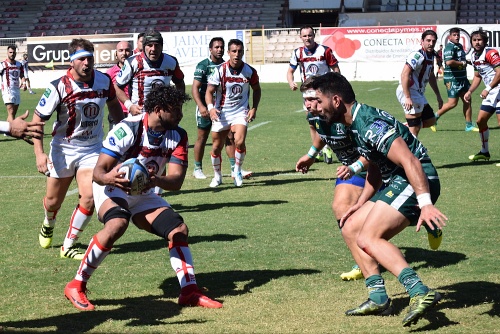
(136, 173)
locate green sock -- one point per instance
(376, 289)
(232, 162)
(412, 283)
(197, 165)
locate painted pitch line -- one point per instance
(373, 89)
(257, 125)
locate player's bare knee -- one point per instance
(169, 225)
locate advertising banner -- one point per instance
(392, 43)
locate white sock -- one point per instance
(94, 255)
(50, 216)
(216, 163)
(79, 220)
(182, 262)
(485, 136)
(239, 157)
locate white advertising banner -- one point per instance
(191, 47)
(391, 43)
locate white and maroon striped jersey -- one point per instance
(79, 107)
(233, 87)
(485, 63)
(132, 138)
(141, 75)
(313, 62)
(422, 65)
(11, 74)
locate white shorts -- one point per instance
(13, 97)
(492, 101)
(67, 159)
(136, 204)
(227, 120)
(418, 99)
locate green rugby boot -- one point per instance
(419, 305)
(371, 308)
(480, 156)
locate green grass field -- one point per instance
(270, 251)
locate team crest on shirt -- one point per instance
(236, 89)
(389, 194)
(42, 102)
(91, 110)
(157, 83)
(339, 129)
(15, 74)
(47, 92)
(313, 68)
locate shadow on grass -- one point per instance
(215, 206)
(152, 310)
(233, 283)
(151, 245)
(431, 258)
(455, 296)
(468, 164)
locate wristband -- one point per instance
(210, 106)
(357, 167)
(487, 88)
(313, 152)
(128, 104)
(424, 199)
(4, 127)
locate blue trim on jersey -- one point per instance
(356, 180)
(294, 66)
(110, 153)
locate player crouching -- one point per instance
(155, 139)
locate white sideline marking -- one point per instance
(371, 90)
(301, 110)
(69, 193)
(75, 191)
(257, 125)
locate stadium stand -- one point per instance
(59, 17)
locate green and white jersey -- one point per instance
(203, 70)
(338, 137)
(374, 132)
(454, 51)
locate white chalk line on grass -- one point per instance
(69, 193)
(75, 191)
(257, 125)
(371, 90)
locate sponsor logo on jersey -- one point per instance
(91, 110)
(120, 133)
(47, 92)
(236, 89)
(389, 194)
(157, 83)
(112, 141)
(42, 102)
(313, 68)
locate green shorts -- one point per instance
(456, 88)
(202, 122)
(400, 195)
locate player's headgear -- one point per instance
(153, 37)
